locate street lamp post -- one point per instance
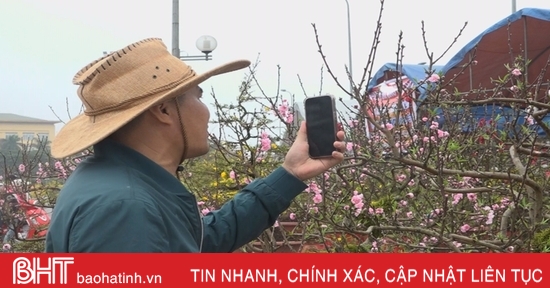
(291, 95)
(206, 44)
(349, 52)
(513, 6)
(297, 116)
(175, 28)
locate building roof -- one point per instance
(14, 118)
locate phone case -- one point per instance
(334, 122)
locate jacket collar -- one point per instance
(120, 154)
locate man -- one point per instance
(12, 223)
(143, 117)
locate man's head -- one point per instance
(176, 129)
(143, 79)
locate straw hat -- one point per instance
(118, 87)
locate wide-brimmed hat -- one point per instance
(123, 84)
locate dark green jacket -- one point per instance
(120, 201)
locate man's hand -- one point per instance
(298, 162)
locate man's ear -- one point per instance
(162, 112)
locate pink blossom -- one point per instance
(516, 72)
(21, 168)
(401, 178)
(265, 142)
(433, 78)
(374, 247)
(40, 172)
(232, 174)
(379, 211)
(6, 247)
(442, 134)
(389, 126)
(425, 119)
(292, 216)
(409, 214)
(284, 112)
(346, 207)
(490, 215)
(411, 183)
(357, 200)
(415, 137)
(62, 173)
(313, 187)
(434, 125)
(318, 198)
(276, 224)
(283, 107)
(465, 228)
(530, 120)
(403, 203)
(410, 195)
(200, 203)
(472, 197)
(505, 201)
(289, 118)
(349, 146)
(457, 197)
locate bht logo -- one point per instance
(27, 271)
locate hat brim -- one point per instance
(82, 132)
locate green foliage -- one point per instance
(420, 187)
(541, 241)
(29, 246)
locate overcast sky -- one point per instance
(44, 43)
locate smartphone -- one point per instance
(321, 125)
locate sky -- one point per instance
(44, 43)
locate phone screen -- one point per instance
(321, 125)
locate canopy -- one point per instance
(417, 73)
(524, 33)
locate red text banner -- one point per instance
(275, 270)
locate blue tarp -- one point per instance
(417, 73)
(526, 32)
(541, 14)
(504, 117)
(471, 118)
